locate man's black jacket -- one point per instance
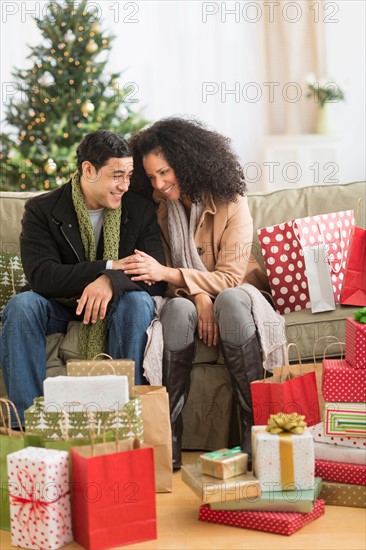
(52, 251)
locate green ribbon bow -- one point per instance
(223, 454)
(360, 315)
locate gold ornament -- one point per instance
(91, 46)
(95, 27)
(87, 108)
(50, 167)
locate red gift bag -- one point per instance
(113, 492)
(298, 393)
(282, 248)
(354, 285)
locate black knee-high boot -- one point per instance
(177, 367)
(245, 365)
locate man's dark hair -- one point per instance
(98, 147)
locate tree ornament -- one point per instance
(46, 79)
(91, 46)
(95, 27)
(122, 112)
(87, 107)
(69, 36)
(50, 167)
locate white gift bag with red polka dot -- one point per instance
(282, 248)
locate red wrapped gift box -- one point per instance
(355, 343)
(341, 472)
(281, 523)
(342, 383)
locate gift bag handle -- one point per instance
(9, 404)
(102, 355)
(340, 227)
(104, 364)
(341, 344)
(323, 338)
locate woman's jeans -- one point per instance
(28, 318)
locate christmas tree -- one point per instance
(63, 96)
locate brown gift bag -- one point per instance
(158, 433)
(97, 367)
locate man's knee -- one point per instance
(23, 305)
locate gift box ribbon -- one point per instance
(223, 454)
(33, 509)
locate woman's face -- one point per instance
(162, 176)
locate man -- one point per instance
(73, 244)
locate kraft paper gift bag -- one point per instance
(158, 433)
(318, 277)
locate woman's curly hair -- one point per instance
(202, 160)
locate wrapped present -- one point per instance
(276, 501)
(336, 453)
(71, 424)
(356, 343)
(211, 489)
(345, 419)
(99, 367)
(224, 463)
(342, 472)
(39, 493)
(284, 458)
(105, 392)
(121, 508)
(342, 383)
(281, 523)
(318, 434)
(343, 494)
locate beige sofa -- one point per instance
(209, 422)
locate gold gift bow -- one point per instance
(284, 425)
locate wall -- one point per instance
(197, 58)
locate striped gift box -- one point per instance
(345, 419)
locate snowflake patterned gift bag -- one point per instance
(39, 493)
(283, 251)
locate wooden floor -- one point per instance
(178, 528)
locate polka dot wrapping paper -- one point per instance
(355, 343)
(40, 514)
(281, 523)
(343, 494)
(337, 453)
(342, 383)
(318, 433)
(341, 472)
(284, 258)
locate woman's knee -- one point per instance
(179, 320)
(233, 313)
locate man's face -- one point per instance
(105, 188)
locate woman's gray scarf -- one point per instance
(181, 235)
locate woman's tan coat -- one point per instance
(224, 241)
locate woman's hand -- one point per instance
(208, 330)
(142, 267)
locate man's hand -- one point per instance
(208, 330)
(95, 299)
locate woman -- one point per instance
(207, 233)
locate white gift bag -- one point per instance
(319, 280)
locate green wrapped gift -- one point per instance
(69, 424)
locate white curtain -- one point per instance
(293, 46)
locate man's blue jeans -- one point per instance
(28, 318)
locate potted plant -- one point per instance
(325, 92)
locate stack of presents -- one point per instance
(298, 466)
(89, 462)
(96, 448)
